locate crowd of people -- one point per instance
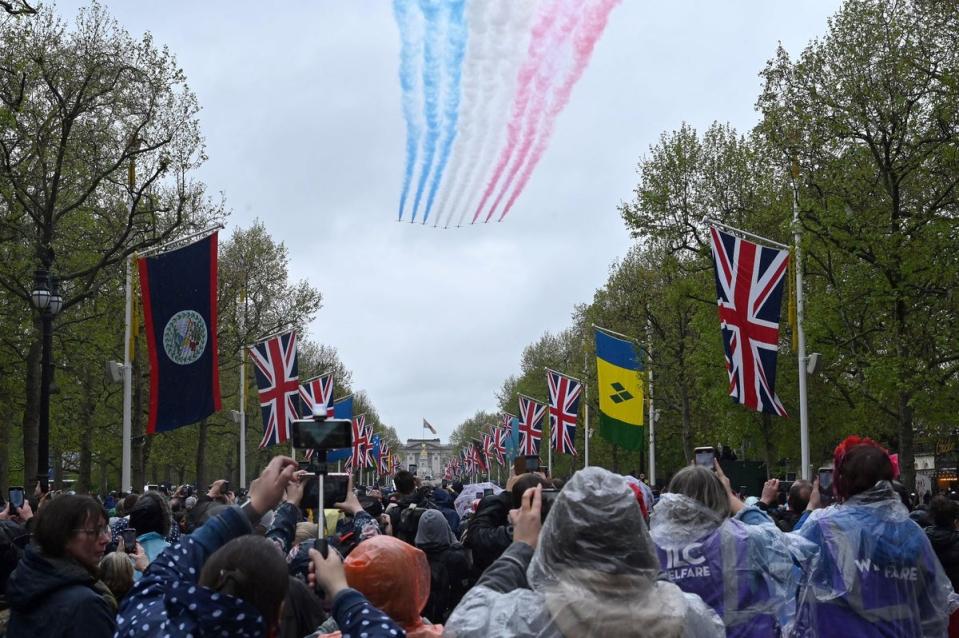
(598, 555)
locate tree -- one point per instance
(870, 114)
(78, 109)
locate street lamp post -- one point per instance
(48, 302)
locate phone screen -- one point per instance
(532, 463)
(488, 491)
(322, 435)
(15, 496)
(825, 486)
(129, 540)
(706, 457)
(334, 488)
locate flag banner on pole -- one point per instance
(511, 423)
(531, 413)
(358, 457)
(564, 394)
(368, 452)
(426, 424)
(620, 389)
(274, 362)
(179, 311)
(384, 461)
(479, 459)
(317, 396)
(499, 444)
(749, 290)
(375, 452)
(342, 409)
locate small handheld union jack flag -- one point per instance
(531, 413)
(317, 396)
(279, 385)
(564, 394)
(749, 290)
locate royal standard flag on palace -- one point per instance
(620, 389)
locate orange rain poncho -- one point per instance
(395, 577)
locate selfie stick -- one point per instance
(321, 547)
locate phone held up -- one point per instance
(15, 496)
(825, 486)
(706, 457)
(129, 540)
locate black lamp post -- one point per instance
(47, 300)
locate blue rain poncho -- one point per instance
(742, 567)
(875, 572)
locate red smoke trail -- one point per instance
(538, 108)
(587, 34)
(527, 73)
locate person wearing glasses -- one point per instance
(55, 591)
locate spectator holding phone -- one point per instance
(733, 556)
(55, 590)
(589, 570)
(875, 572)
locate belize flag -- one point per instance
(179, 312)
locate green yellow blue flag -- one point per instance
(620, 389)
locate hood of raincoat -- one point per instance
(394, 576)
(37, 576)
(434, 532)
(678, 520)
(596, 565)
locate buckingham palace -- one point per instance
(428, 455)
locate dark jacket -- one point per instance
(489, 532)
(945, 542)
(444, 502)
(57, 597)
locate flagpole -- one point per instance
(652, 411)
(243, 418)
(803, 411)
(126, 454)
(586, 403)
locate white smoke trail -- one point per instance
(495, 84)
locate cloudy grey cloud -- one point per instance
(301, 112)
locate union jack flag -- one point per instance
(531, 414)
(368, 453)
(360, 442)
(279, 385)
(749, 289)
(384, 464)
(479, 459)
(317, 396)
(499, 444)
(564, 394)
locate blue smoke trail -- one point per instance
(431, 92)
(455, 52)
(409, 55)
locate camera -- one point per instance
(706, 457)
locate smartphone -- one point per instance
(532, 463)
(335, 487)
(706, 457)
(825, 486)
(153, 488)
(519, 465)
(488, 491)
(548, 498)
(225, 488)
(413, 469)
(15, 496)
(129, 540)
(322, 435)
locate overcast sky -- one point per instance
(301, 113)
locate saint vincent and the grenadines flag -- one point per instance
(620, 389)
(179, 311)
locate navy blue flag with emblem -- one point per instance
(179, 313)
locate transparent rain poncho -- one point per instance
(746, 572)
(875, 572)
(594, 573)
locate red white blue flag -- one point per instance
(360, 442)
(564, 394)
(317, 396)
(279, 385)
(749, 290)
(531, 413)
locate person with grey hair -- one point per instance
(589, 569)
(731, 555)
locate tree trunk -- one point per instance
(5, 426)
(104, 477)
(85, 478)
(687, 419)
(57, 462)
(201, 455)
(31, 412)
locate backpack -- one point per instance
(438, 602)
(409, 519)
